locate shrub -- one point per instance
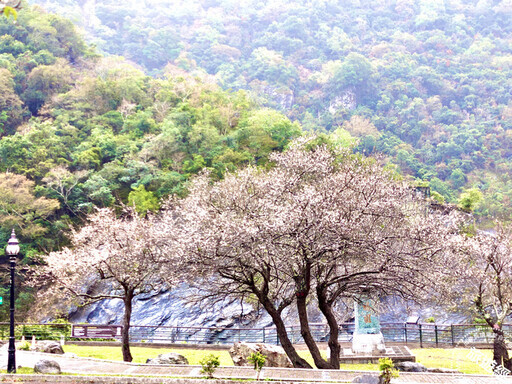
(258, 360)
(24, 346)
(209, 364)
(387, 370)
(50, 331)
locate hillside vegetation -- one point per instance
(79, 130)
(426, 82)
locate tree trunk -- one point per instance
(125, 334)
(297, 361)
(334, 345)
(303, 288)
(305, 331)
(500, 354)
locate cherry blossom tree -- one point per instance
(487, 281)
(391, 250)
(120, 255)
(222, 232)
(322, 222)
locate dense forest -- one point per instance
(79, 130)
(426, 82)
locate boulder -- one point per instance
(168, 358)
(367, 379)
(276, 357)
(48, 346)
(409, 366)
(47, 366)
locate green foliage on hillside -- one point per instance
(426, 83)
(80, 131)
(434, 77)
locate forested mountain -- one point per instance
(426, 82)
(79, 130)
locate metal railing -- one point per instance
(425, 334)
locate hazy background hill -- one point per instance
(427, 82)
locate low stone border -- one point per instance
(70, 379)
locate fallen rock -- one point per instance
(276, 357)
(168, 358)
(367, 379)
(48, 346)
(47, 366)
(409, 366)
(442, 370)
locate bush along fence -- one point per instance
(426, 334)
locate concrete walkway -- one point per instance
(91, 367)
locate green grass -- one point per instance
(456, 358)
(141, 354)
(20, 370)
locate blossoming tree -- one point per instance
(321, 223)
(119, 254)
(487, 281)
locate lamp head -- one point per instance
(13, 247)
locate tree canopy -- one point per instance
(432, 77)
(318, 226)
(88, 131)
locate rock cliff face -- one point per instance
(345, 101)
(279, 97)
(171, 308)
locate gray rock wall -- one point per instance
(172, 308)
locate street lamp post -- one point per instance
(12, 251)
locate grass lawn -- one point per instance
(141, 354)
(456, 358)
(20, 370)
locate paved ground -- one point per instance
(91, 367)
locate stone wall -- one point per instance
(51, 379)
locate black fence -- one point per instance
(423, 334)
